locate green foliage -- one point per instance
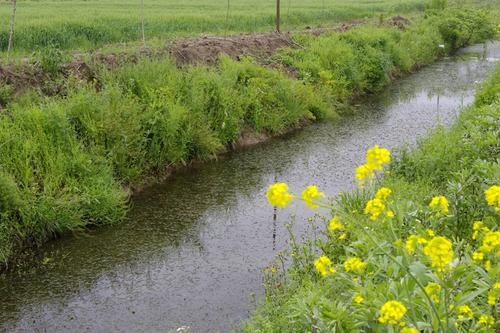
(70, 157)
(50, 58)
(459, 163)
(364, 59)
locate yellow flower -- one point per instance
(383, 193)
(486, 320)
(310, 194)
(490, 241)
(354, 265)
(358, 298)
(389, 214)
(334, 224)
(430, 232)
(398, 243)
(493, 294)
(477, 227)
(343, 236)
(440, 204)
(433, 290)
(492, 196)
(392, 312)
(439, 249)
(363, 173)
(278, 195)
(409, 330)
(324, 265)
(412, 241)
(478, 255)
(487, 265)
(377, 157)
(464, 311)
(374, 208)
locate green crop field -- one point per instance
(83, 25)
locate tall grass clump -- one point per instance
(415, 251)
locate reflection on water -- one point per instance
(193, 248)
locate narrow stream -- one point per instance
(193, 249)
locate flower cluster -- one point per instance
(324, 266)
(310, 195)
(376, 159)
(440, 205)
(493, 197)
(392, 312)
(354, 265)
(433, 290)
(278, 195)
(440, 250)
(377, 206)
(335, 224)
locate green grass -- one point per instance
(83, 25)
(65, 160)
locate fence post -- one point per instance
(11, 32)
(142, 24)
(278, 16)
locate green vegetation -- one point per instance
(415, 251)
(65, 160)
(81, 24)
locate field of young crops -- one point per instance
(80, 24)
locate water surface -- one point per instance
(193, 249)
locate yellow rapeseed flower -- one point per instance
(383, 193)
(358, 298)
(433, 290)
(491, 241)
(476, 228)
(354, 265)
(377, 157)
(486, 320)
(412, 241)
(478, 256)
(343, 236)
(392, 312)
(440, 250)
(310, 194)
(430, 232)
(334, 224)
(487, 265)
(324, 265)
(439, 204)
(374, 208)
(493, 294)
(364, 173)
(464, 312)
(409, 330)
(492, 196)
(278, 195)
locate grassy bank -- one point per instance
(83, 25)
(65, 162)
(415, 251)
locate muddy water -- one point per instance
(192, 251)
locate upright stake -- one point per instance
(142, 24)
(227, 17)
(278, 16)
(11, 32)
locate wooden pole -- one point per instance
(278, 16)
(142, 24)
(11, 32)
